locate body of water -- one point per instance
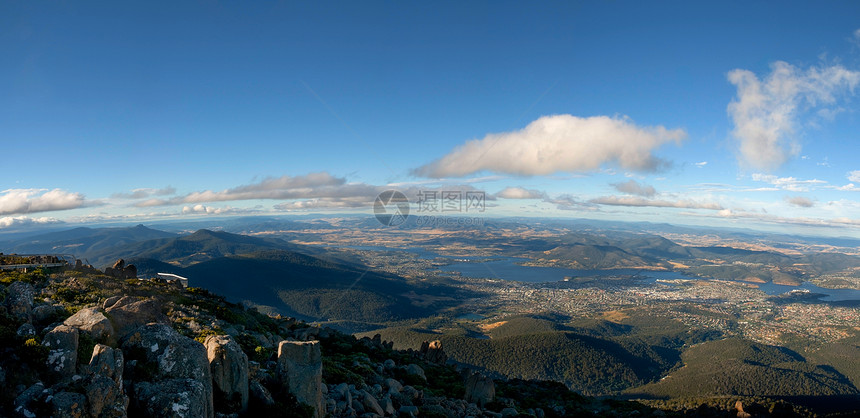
(508, 269)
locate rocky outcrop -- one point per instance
(480, 389)
(431, 352)
(170, 373)
(62, 343)
(128, 313)
(229, 368)
(121, 271)
(173, 398)
(93, 322)
(69, 405)
(19, 300)
(300, 370)
(104, 387)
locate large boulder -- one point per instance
(128, 313)
(165, 360)
(480, 389)
(93, 322)
(69, 405)
(103, 387)
(19, 300)
(300, 369)
(431, 351)
(62, 343)
(173, 398)
(229, 368)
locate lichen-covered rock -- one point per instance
(69, 405)
(62, 343)
(371, 404)
(104, 390)
(93, 322)
(128, 313)
(179, 398)
(45, 314)
(26, 330)
(27, 404)
(161, 354)
(229, 368)
(19, 300)
(300, 369)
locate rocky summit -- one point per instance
(81, 343)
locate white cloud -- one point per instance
(520, 193)
(18, 221)
(559, 143)
(146, 192)
(788, 183)
(635, 188)
(209, 210)
(642, 202)
(313, 185)
(856, 37)
(701, 164)
(21, 201)
(800, 201)
(854, 176)
(765, 112)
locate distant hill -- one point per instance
(740, 367)
(93, 244)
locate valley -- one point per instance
(615, 312)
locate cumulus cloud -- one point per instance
(313, 185)
(800, 201)
(559, 143)
(571, 202)
(788, 183)
(637, 201)
(520, 193)
(765, 112)
(209, 210)
(21, 201)
(144, 193)
(854, 176)
(22, 221)
(633, 187)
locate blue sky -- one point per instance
(722, 113)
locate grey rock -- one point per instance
(93, 322)
(431, 351)
(416, 370)
(62, 343)
(300, 368)
(128, 313)
(19, 300)
(173, 398)
(43, 314)
(111, 301)
(26, 330)
(393, 385)
(480, 389)
(509, 412)
(25, 403)
(370, 404)
(389, 364)
(69, 405)
(170, 357)
(409, 410)
(229, 368)
(104, 388)
(259, 394)
(108, 362)
(387, 405)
